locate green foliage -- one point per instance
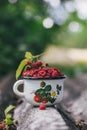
(8, 117)
(20, 68)
(21, 30)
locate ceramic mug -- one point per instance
(37, 91)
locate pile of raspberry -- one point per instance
(38, 70)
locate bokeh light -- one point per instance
(75, 27)
(12, 1)
(48, 22)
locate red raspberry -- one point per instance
(1, 126)
(42, 73)
(29, 62)
(25, 73)
(45, 68)
(35, 75)
(36, 64)
(54, 73)
(32, 72)
(49, 70)
(42, 106)
(39, 63)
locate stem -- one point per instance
(38, 55)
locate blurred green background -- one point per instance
(35, 25)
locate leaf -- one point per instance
(8, 109)
(9, 122)
(20, 68)
(48, 88)
(29, 56)
(8, 116)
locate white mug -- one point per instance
(37, 91)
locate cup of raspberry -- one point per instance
(41, 83)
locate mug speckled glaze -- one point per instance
(37, 91)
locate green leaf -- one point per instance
(9, 122)
(8, 109)
(20, 68)
(29, 56)
(48, 88)
(8, 116)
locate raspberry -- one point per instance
(31, 72)
(36, 64)
(42, 73)
(25, 73)
(1, 126)
(39, 63)
(36, 70)
(54, 73)
(42, 106)
(29, 62)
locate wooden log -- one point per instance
(31, 118)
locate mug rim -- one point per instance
(33, 78)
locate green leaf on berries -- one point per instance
(20, 68)
(48, 88)
(29, 56)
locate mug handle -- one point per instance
(15, 88)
